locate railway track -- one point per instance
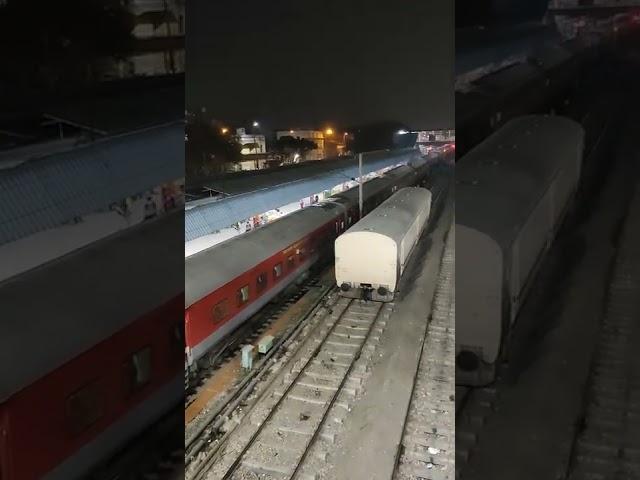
(473, 412)
(428, 439)
(284, 425)
(206, 426)
(608, 445)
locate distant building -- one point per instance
(427, 136)
(157, 18)
(334, 145)
(159, 49)
(434, 141)
(256, 161)
(315, 136)
(251, 143)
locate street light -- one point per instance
(402, 132)
(224, 130)
(256, 124)
(329, 131)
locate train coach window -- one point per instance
(277, 271)
(291, 264)
(261, 282)
(84, 408)
(176, 344)
(220, 310)
(243, 295)
(177, 334)
(140, 368)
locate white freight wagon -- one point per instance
(372, 255)
(512, 193)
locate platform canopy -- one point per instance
(51, 190)
(207, 216)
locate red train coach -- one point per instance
(90, 351)
(231, 281)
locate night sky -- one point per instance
(296, 63)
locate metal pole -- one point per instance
(360, 183)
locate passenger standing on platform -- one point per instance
(150, 209)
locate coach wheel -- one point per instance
(467, 361)
(345, 287)
(382, 291)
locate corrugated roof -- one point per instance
(204, 219)
(394, 217)
(52, 190)
(248, 181)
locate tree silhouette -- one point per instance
(289, 145)
(207, 150)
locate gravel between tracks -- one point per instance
(608, 446)
(428, 442)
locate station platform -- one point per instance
(208, 220)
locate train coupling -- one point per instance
(367, 292)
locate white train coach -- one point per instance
(512, 193)
(372, 255)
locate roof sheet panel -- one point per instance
(52, 190)
(500, 181)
